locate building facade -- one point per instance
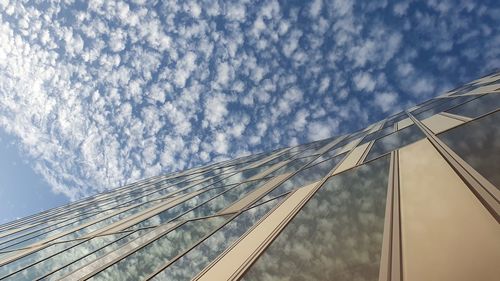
(412, 197)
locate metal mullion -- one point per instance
(484, 191)
(365, 153)
(386, 251)
(464, 119)
(396, 272)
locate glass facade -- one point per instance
(351, 207)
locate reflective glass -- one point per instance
(478, 106)
(85, 256)
(222, 201)
(394, 141)
(464, 89)
(36, 256)
(145, 260)
(447, 103)
(64, 257)
(478, 143)
(393, 120)
(338, 233)
(195, 260)
(327, 155)
(304, 177)
(174, 212)
(377, 134)
(40, 235)
(292, 166)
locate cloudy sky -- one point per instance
(99, 93)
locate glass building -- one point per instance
(412, 197)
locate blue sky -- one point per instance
(100, 93)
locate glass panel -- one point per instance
(87, 256)
(36, 236)
(465, 89)
(377, 134)
(195, 260)
(31, 258)
(222, 201)
(174, 212)
(394, 141)
(427, 105)
(390, 123)
(325, 156)
(69, 255)
(478, 143)
(338, 233)
(304, 177)
(478, 106)
(293, 166)
(245, 175)
(446, 104)
(145, 260)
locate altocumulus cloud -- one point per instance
(100, 93)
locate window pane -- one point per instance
(69, 255)
(394, 141)
(377, 134)
(92, 256)
(304, 177)
(478, 106)
(193, 262)
(31, 258)
(446, 104)
(224, 200)
(144, 261)
(172, 213)
(478, 143)
(292, 166)
(392, 120)
(337, 235)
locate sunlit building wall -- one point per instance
(412, 197)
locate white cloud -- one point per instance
(315, 8)
(364, 81)
(236, 12)
(386, 101)
(215, 109)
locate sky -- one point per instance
(96, 94)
